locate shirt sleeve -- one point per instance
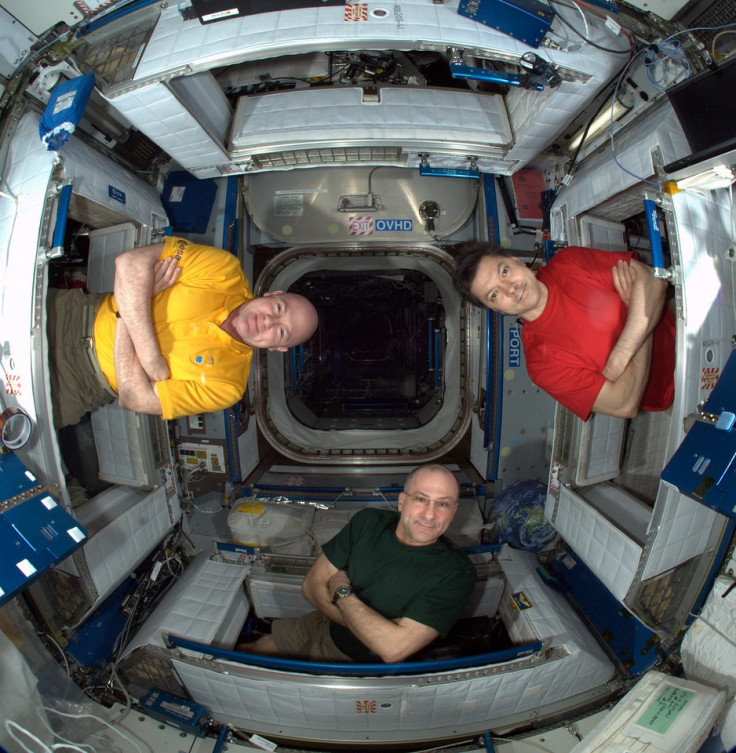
(576, 387)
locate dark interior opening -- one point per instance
(377, 355)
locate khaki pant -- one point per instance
(307, 637)
(76, 388)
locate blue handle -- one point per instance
(655, 235)
(221, 738)
(57, 244)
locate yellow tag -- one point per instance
(520, 602)
(251, 508)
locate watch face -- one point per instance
(341, 592)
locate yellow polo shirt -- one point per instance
(209, 370)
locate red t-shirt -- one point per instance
(567, 347)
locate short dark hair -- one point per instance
(468, 256)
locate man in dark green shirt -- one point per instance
(386, 586)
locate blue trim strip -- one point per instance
(230, 220)
(498, 396)
(449, 172)
(352, 669)
(430, 353)
(62, 212)
(437, 359)
(226, 546)
(233, 453)
(292, 352)
(119, 14)
(493, 376)
(489, 197)
(489, 384)
(382, 490)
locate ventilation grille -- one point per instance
(149, 667)
(113, 51)
(712, 14)
(660, 599)
(353, 155)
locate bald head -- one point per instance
(276, 320)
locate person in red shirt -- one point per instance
(596, 333)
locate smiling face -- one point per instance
(276, 321)
(506, 285)
(427, 506)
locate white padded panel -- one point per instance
(275, 596)
(177, 46)
(125, 541)
(157, 112)
(120, 437)
(598, 179)
(315, 709)
(94, 176)
(551, 619)
(599, 449)
(105, 245)
(604, 548)
(596, 232)
(707, 654)
(682, 528)
(403, 115)
(646, 453)
(26, 178)
(206, 604)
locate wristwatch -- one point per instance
(341, 592)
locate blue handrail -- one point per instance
(353, 669)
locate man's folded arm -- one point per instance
(644, 295)
(133, 290)
(392, 640)
(623, 397)
(135, 390)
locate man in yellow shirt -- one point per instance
(174, 338)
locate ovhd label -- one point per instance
(403, 226)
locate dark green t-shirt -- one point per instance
(428, 584)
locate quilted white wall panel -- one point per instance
(598, 179)
(370, 709)
(340, 115)
(177, 46)
(126, 540)
(415, 24)
(206, 604)
(604, 548)
(156, 111)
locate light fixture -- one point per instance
(600, 124)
